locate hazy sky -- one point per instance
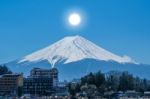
(120, 26)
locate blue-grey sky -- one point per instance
(120, 26)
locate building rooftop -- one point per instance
(11, 75)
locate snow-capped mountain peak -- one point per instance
(71, 49)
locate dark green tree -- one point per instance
(126, 82)
(99, 79)
(4, 70)
(90, 79)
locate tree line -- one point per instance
(113, 81)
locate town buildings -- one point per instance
(40, 82)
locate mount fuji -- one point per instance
(76, 56)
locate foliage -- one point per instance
(113, 81)
(4, 70)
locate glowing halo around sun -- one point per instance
(74, 19)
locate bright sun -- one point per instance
(74, 19)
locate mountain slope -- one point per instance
(73, 49)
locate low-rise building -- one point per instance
(132, 94)
(62, 89)
(38, 86)
(146, 94)
(54, 75)
(10, 84)
(41, 82)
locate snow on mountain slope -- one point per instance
(74, 48)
